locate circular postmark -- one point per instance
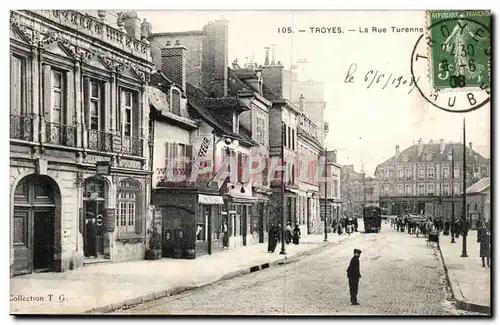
(451, 63)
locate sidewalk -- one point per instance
(104, 287)
(469, 281)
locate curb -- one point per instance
(460, 301)
(177, 290)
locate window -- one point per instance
(335, 189)
(408, 189)
(289, 137)
(400, 189)
(242, 161)
(181, 155)
(428, 157)
(456, 188)
(446, 189)
(456, 172)
(284, 135)
(58, 97)
(475, 207)
(260, 132)
(430, 189)
(446, 172)
(17, 75)
(430, 173)
(408, 173)
(386, 189)
(176, 102)
(400, 173)
(94, 100)
(293, 139)
(387, 174)
(127, 110)
(128, 206)
(421, 189)
(421, 173)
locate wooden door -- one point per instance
(22, 242)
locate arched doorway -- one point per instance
(36, 216)
(95, 203)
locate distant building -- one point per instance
(478, 202)
(418, 179)
(356, 191)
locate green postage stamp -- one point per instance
(460, 51)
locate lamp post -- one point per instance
(452, 195)
(464, 200)
(326, 196)
(283, 134)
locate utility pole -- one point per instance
(464, 200)
(283, 134)
(326, 196)
(452, 195)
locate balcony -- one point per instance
(100, 140)
(60, 134)
(21, 127)
(131, 146)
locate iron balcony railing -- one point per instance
(21, 127)
(131, 146)
(60, 134)
(100, 140)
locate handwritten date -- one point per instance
(375, 77)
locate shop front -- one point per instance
(191, 222)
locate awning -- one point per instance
(243, 199)
(210, 199)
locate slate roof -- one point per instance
(478, 187)
(412, 156)
(214, 116)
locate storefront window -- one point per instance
(128, 206)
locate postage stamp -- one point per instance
(453, 56)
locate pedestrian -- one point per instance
(339, 229)
(288, 233)
(446, 229)
(272, 239)
(353, 274)
(296, 234)
(484, 247)
(356, 224)
(225, 234)
(91, 235)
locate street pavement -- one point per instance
(401, 275)
(470, 281)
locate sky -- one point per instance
(366, 123)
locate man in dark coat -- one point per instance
(353, 274)
(355, 223)
(91, 236)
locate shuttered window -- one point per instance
(17, 89)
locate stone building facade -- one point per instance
(358, 190)
(419, 178)
(78, 97)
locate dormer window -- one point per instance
(175, 100)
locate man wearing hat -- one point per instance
(353, 275)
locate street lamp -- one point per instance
(452, 195)
(464, 200)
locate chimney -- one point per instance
(145, 30)
(273, 53)
(131, 23)
(420, 146)
(442, 146)
(173, 63)
(470, 146)
(397, 150)
(302, 102)
(266, 61)
(214, 60)
(102, 15)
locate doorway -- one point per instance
(94, 208)
(36, 217)
(243, 224)
(261, 222)
(43, 240)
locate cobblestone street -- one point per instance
(401, 275)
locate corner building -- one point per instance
(78, 97)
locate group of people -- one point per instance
(345, 224)
(276, 231)
(456, 228)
